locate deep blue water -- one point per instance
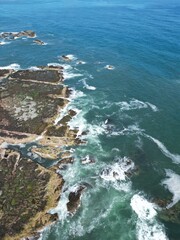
(140, 98)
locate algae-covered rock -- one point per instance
(30, 102)
(39, 42)
(28, 192)
(42, 75)
(15, 35)
(171, 214)
(27, 106)
(4, 73)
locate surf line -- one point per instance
(174, 157)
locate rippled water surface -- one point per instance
(131, 113)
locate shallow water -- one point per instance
(131, 111)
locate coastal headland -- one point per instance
(30, 102)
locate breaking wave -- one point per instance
(174, 157)
(172, 182)
(14, 66)
(87, 86)
(147, 226)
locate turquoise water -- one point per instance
(139, 98)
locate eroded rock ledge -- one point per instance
(30, 101)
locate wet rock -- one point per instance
(72, 113)
(39, 42)
(15, 35)
(88, 160)
(66, 58)
(52, 67)
(74, 199)
(171, 214)
(109, 67)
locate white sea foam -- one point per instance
(118, 170)
(116, 174)
(147, 226)
(86, 224)
(55, 64)
(62, 113)
(73, 96)
(130, 130)
(4, 145)
(144, 209)
(4, 43)
(70, 72)
(174, 157)
(76, 94)
(69, 75)
(87, 86)
(61, 208)
(80, 122)
(71, 57)
(147, 231)
(109, 67)
(34, 68)
(81, 62)
(135, 104)
(172, 182)
(152, 106)
(14, 66)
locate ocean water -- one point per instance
(131, 113)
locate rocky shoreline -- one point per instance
(30, 102)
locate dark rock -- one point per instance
(39, 42)
(170, 214)
(48, 76)
(14, 35)
(88, 160)
(74, 199)
(66, 58)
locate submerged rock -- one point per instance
(171, 215)
(166, 214)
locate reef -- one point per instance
(166, 213)
(22, 34)
(171, 214)
(30, 103)
(15, 35)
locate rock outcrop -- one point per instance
(30, 102)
